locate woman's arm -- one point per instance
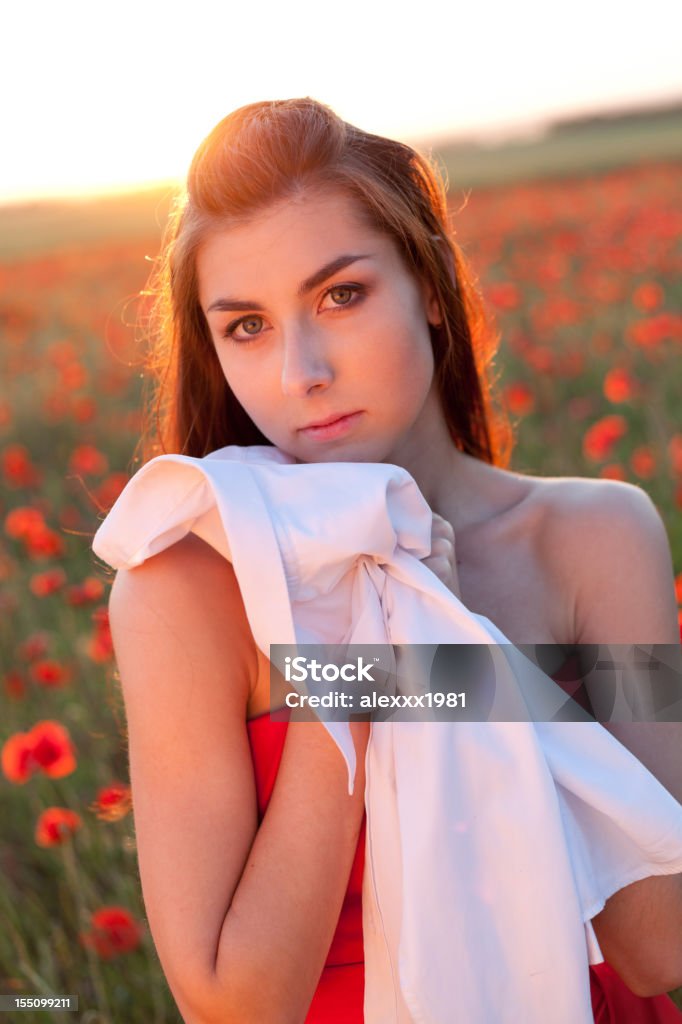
(625, 594)
(612, 549)
(242, 917)
(608, 549)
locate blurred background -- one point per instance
(560, 131)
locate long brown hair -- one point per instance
(268, 151)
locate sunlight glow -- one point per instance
(103, 97)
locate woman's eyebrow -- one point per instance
(306, 286)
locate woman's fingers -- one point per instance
(442, 528)
(442, 560)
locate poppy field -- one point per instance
(582, 276)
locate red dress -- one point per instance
(339, 995)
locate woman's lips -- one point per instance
(332, 430)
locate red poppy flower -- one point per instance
(619, 385)
(91, 589)
(643, 462)
(520, 398)
(114, 931)
(22, 521)
(88, 460)
(44, 543)
(47, 747)
(17, 468)
(648, 296)
(50, 673)
(43, 583)
(28, 525)
(55, 825)
(601, 437)
(108, 491)
(662, 327)
(113, 802)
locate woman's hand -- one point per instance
(443, 558)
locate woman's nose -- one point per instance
(304, 365)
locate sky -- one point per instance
(106, 96)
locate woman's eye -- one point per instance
(345, 294)
(247, 323)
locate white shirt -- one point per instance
(490, 845)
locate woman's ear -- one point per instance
(434, 314)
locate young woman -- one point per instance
(312, 298)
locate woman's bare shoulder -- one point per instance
(563, 498)
(587, 530)
(552, 502)
(187, 590)
(539, 538)
(575, 487)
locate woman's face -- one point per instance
(314, 316)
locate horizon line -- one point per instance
(485, 135)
